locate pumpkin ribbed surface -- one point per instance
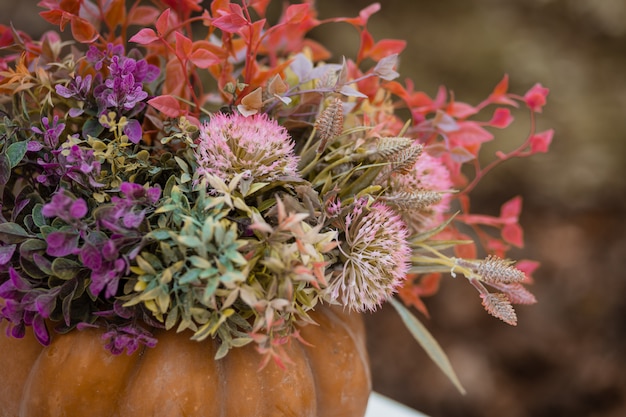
(75, 376)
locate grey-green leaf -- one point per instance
(12, 233)
(428, 342)
(16, 152)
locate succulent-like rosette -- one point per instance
(230, 144)
(375, 256)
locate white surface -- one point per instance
(381, 406)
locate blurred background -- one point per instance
(567, 355)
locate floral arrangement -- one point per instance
(217, 170)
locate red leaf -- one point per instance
(535, 98)
(259, 6)
(167, 105)
(183, 46)
(540, 142)
(513, 234)
(115, 13)
(57, 17)
(144, 37)
(231, 22)
(202, 58)
(386, 47)
(367, 41)
(511, 209)
(142, 15)
(501, 118)
(82, 30)
(175, 79)
(296, 13)
(461, 110)
(363, 17)
(163, 22)
(528, 267)
(470, 135)
(499, 94)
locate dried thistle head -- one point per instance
(376, 257)
(232, 144)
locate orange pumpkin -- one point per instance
(76, 376)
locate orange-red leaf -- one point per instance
(115, 13)
(231, 22)
(82, 30)
(142, 15)
(163, 22)
(202, 58)
(183, 46)
(540, 142)
(144, 37)
(167, 105)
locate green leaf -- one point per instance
(12, 233)
(5, 170)
(93, 128)
(38, 217)
(15, 152)
(65, 268)
(31, 246)
(428, 342)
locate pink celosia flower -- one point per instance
(376, 257)
(230, 144)
(428, 174)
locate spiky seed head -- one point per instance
(230, 144)
(376, 257)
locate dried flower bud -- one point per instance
(330, 123)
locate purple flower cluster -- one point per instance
(120, 89)
(123, 218)
(123, 89)
(75, 163)
(25, 305)
(116, 228)
(51, 134)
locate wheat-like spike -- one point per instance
(330, 123)
(494, 270)
(388, 146)
(412, 200)
(402, 162)
(498, 305)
